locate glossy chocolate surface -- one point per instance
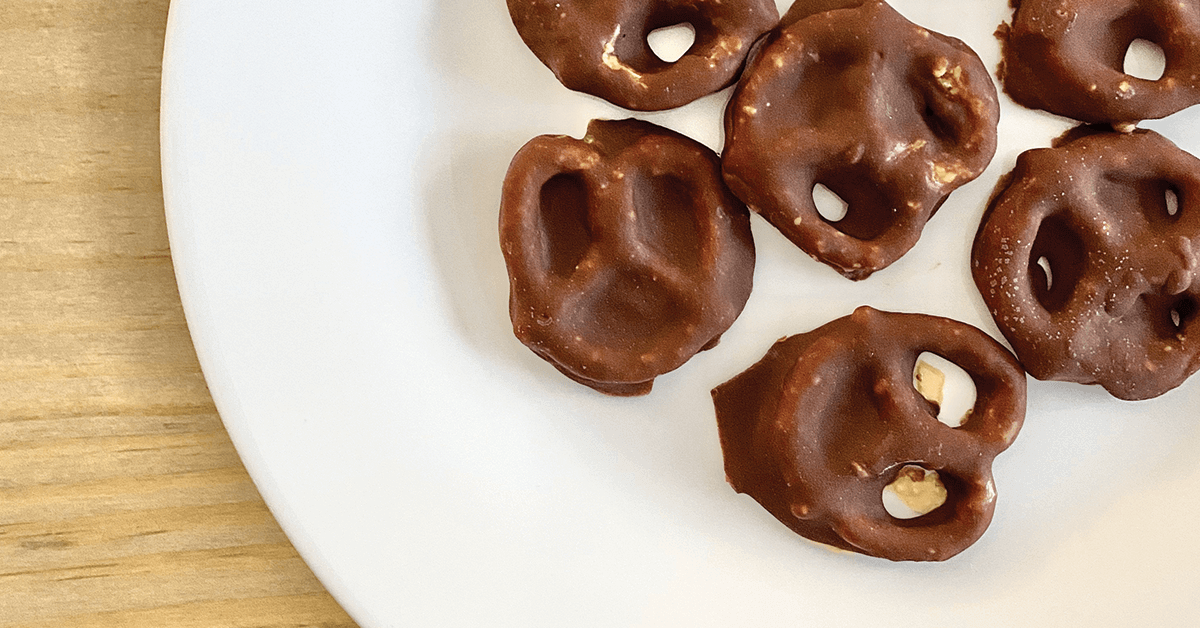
(890, 116)
(601, 48)
(1068, 57)
(1115, 219)
(828, 418)
(626, 254)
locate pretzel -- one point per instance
(1068, 58)
(1119, 302)
(600, 47)
(626, 254)
(890, 116)
(827, 419)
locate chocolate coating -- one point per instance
(600, 48)
(891, 117)
(626, 254)
(827, 419)
(1068, 57)
(1120, 305)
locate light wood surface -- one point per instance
(122, 501)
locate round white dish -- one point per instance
(331, 174)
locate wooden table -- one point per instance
(122, 501)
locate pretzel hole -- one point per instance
(1182, 313)
(665, 217)
(853, 205)
(565, 232)
(1145, 60)
(1056, 264)
(670, 43)
(915, 492)
(948, 389)
(948, 121)
(938, 125)
(830, 206)
(1158, 199)
(1044, 264)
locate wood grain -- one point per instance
(122, 501)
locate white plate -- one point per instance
(332, 172)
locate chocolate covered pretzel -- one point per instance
(1068, 57)
(890, 116)
(1087, 258)
(626, 254)
(600, 47)
(819, 427)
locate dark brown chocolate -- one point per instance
(626, 254)
(1068, 57)
(600, 47)
(889, 116)
(1115, 219)
(827, 419)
